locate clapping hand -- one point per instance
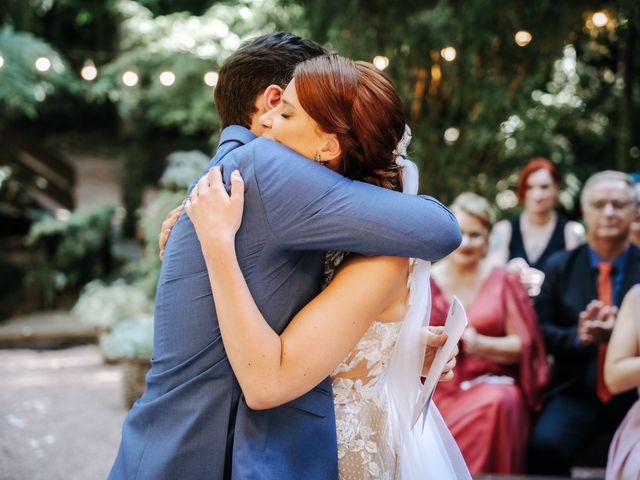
(596, 322)
(470, 343)
(531, 278)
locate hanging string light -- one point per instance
(89, 72)
(600, 19)
(523, 38)
(42, 64)
(380, 62)
(130, 78)
(167, 78)
(1, 61)
(451, 135)
(211, 78)
(449, 54)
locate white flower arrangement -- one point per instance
(182, 168)
(105, 305)
(131, 338)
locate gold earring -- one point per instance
(317, 158)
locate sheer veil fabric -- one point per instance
(376, 386)
(428, 450)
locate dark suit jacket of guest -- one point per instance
(570, 284)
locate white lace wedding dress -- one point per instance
(374, 391)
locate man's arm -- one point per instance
(557, 337)
(310, 207)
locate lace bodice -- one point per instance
(364, 443)
(374, 389)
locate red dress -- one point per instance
(490, 416)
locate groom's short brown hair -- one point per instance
(263, 61)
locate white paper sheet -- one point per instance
(454, 326)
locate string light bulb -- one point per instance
(89, 72)
(600, 19)
(211, 79)
(523, 38)
(380, 62)
(449, 54)
(451, 135)
(1, 61)
(167, 78)
(42, 64)
(130, 78)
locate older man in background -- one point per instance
(577, 308)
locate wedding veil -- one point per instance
(427, 450)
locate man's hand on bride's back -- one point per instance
(169, 221)
(215, 214)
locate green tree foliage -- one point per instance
(572, 93)
(23, 88)
(186, 44)
(74, 27)
(491, 80)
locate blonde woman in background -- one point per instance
(502, 367)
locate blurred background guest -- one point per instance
(527, 240)
(576, 309)
(622, 373)
(502, 367)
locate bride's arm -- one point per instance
(273, 369)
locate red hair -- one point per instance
(360, 105)
(533, 165)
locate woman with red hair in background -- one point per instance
(526, 241)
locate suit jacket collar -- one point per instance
(619, 263)
(236, 133)
(583, 264)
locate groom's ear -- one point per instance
(271, 97)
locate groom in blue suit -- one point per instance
(192, 422)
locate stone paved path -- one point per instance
(60, 414)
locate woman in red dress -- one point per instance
(502, 366)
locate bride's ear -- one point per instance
(331, 151)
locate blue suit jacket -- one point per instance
(192, 422)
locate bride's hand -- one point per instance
(215, 214)
(436, 338)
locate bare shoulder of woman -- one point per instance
(574, 234)
(372, 269)
(499, 243)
